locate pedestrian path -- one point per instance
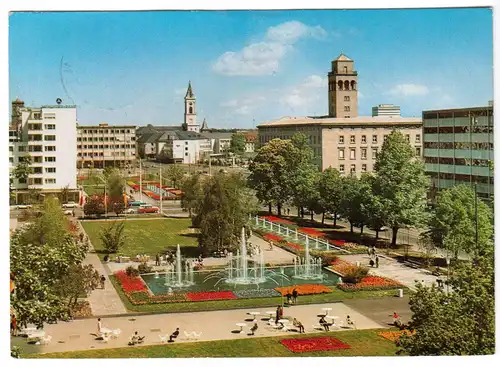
(214, 325)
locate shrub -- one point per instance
(144, 268)
(327, 257)
(132, 272)
(354, 274)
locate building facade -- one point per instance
(186, 147)
(386, 110)
(344, 140)
(458, 148)
(46, 136)
(106, 146)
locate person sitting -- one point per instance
(254, 328)
(349, 321)
(299, 325)
(174, 335)
(136, 339)
(324, 323)
(396, 320)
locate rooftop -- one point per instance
(59, 106)
(342, 57)
(340, 121)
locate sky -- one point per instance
(247, 67)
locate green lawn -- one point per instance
(362, 342)
(336, 296)
(147, 236)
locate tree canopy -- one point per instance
(238, 142)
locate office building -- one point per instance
(386, 110)
(458, 148)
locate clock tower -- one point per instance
(190, 123)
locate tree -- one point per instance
(94, 205)
(80, 280)
(238, 142)
(461, 322)
(353, 205)
(453, 223)
(23, 169)
(330, 191)
(65, 194)
(115, 189)
(175, 173)
(222, 211)
(41, 254)
(400, 184)
(113, 237)
(375, 211)
(192, 192)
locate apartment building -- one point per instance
(386, 110)
(106, 146)
(458, 148)
(46, 136)
(344, 140)
(186, 147)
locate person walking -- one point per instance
(102, 280)
(158, 260)
(13, 325)
(99, 327)
(295, 294)
(376, 261)
(277, 315)
(288, 297)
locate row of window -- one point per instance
(458, 130)
(459, 145)
(458, 161)
(39, 127)
(352, 139)
(112, 138)
(364, 155)
(101, 146)
(39, 170)
(39, 181)
(461, 177)
(106, 131)
(101, 154)
(353, 168)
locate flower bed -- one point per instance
(304, 289)
(341, 266)
(130, 284)
(340, 243)
(256, 293)
(394, 335)
(274, 219)
(210, 296)
(311, 232)
(313, 344)
(272, 237)
(371, 283)
(144, 298)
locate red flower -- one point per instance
(210, 296)
(312, 232)
(272, 237)
(276, 219)
(130, 284)
(314, 344)
(303, 289)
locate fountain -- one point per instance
(175, 277)
(238, 272)
(307, 267)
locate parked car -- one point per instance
(148, 209)
(129, 211)
(24, 206)
(70, 204)
(68, 212)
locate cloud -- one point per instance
(405, 90)
(180, 91)
(263, 58)
(244, 106)
(310, 90)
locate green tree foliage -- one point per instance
(237, 144)
(400, 184)
(79, 281)
(94, 205)
(222, 211)
(41, 254)
(453, 224)
(23, 169)
(115, 188)
(459, 323)
(353, 205)
(113, 237)
(192, 192)
(330, 191)
(373, 205)
(175, 173)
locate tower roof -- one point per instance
(342, 57)
(204, 125)
(189, 93)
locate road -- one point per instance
(169, 207)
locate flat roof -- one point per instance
(342, 121)
(106, 127)
(480, 108)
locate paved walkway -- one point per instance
(390, 268)
(215, 325)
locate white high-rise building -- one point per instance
(386, 110)
(46, 134)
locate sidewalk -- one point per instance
(214, 325)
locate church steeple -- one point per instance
(190, 110)
(204, 125)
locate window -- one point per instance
(347, 98)
(50, 180)
(37, 159)
(417, 138)
(52, 148)
(363, 139)
(341, 168)
(186, 148)
(50, 137)
(341, 154)
(50, 159)
(407, 136)
(21, 149)
(35, 148)
(363, 167)
(341, 139)
(347, 109)
(353, 168)
(11, 159)
(352, 153)
(50, 169)
(353, 139)
(37, 170)
(11, 148)
(385, 137)
(363, 153)
(37, 181)
(374, 153)
(49, 116)
(186, 154)
(374, 139)
(23, 180)
(50, 126)
(418, 151)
